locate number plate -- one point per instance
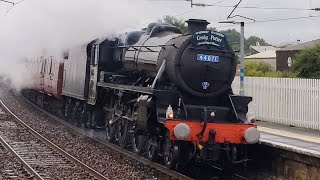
(208, 58)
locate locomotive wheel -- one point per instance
(138, 142)
(115, 127)
(116, 135)
(91, 115)
(67, 109)
(171, 152)
(89, 118)
(152, 148)
(94, 116)
(66, 113)
(109, 132)
(110, 129)
(74, 117)
(77, 115)
(122, 133)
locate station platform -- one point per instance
(299, 140)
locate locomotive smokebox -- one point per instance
(195, 25)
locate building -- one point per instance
(285, 56)
(258, 49)
(268, 57)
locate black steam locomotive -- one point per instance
(165, 93)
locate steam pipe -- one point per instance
(159, 74)
(242, 60)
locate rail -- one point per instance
(23, 163)
(53, 146)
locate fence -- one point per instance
(289, 101)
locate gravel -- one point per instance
(46, 161)
(10, 168)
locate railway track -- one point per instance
(10, 167)
(125, 152)
(38, 156)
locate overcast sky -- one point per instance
(274, 32)
(138, 13)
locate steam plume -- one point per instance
(54, 25)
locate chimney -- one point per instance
(195, 25)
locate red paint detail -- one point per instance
(58, 80)
(232, 133)
(49, 83)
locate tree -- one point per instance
(233, 38)
(212, 29)
(180, 23)
(251, 41)
(306, 64)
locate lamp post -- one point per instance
(241, 54)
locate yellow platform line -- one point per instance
(289, 134)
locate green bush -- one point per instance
(261, 69)
(258, 69)
(288, 74)
(306, 64)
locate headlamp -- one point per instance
(169, 112)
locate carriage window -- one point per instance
(50, 70)
(33, 63)
(66, 54)
(44, 63)
(45, 66)
(96, 55)
(48, 66)
(93, 54)
(41, 70)
(35, 67)
(39, 66)
(54, 65)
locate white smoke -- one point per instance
(35, 25)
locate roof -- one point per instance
(301, 46)
(262, 48)
(285, 44)
(270, 54)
